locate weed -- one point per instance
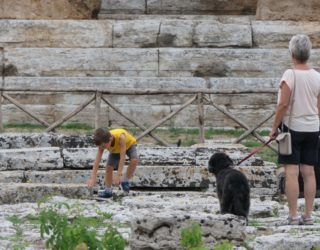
(254, 223)
(225, 245)
(79, 232)
(191, 238)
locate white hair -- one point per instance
(300, 48)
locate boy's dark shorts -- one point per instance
(304, 149)
(113, 159)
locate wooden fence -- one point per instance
(198, 96)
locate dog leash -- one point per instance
(255, 151)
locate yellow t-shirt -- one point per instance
(130, 140)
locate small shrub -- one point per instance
(191, 238)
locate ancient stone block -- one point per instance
(123, 6)
(82, 62)
(136, 34)
(33, 158)
(82, 158)
(219, 34)
(22, 192)
(277, 34)
(45, 9)
(201, 7)
(288, 10)
(176, 33)
(55, 33)
(162, 230)
(226, 62)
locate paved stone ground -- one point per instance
(155, 212)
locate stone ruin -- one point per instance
(171, 189)
(160, 44)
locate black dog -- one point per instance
(232, 186)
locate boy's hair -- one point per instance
(101, 136)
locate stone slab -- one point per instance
(277, 34)
(55, 33)
(44, 9)
(288, 241)
(226, 62)
(288, 10)
(235, 7)
(138, 33)
(81, 62)
(173, 62)
(104, 83)
(82, 158)
(219, 34)
(32, 158)
(22, 192)
(151, 231)
(123, 6)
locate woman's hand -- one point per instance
(273, 134)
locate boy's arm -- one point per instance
(96, 164)
(122, 142)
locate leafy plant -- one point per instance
(79, 232)
(226, 245)
(191, 238)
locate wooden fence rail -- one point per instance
(200, 96)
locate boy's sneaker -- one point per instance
(125, 186)
(105, 194)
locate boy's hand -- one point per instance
(117, 180)
(91, 182)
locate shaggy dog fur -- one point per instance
(232, 186)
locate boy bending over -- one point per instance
(119, 143)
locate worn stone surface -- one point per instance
(81, 158)
(22, 192)
(288, 241)
(55, 33)
(277, 34)
(226, 62)
(173, 62)
(136, 33)
(44, 9)
(288, 10)
(82, 62)
(123, 6)
(31, 140)
(162, 230)
(169, 206)
(178, 7)
(218, 34)
(33, 158)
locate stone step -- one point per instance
(25, 192)
(31, 159)
(163, 62)
(154, 31)
(236, 7)
(82, 158)
(262, 179)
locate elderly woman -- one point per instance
(299, 99)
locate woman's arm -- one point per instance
(281, 108)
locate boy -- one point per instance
(119, 143)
